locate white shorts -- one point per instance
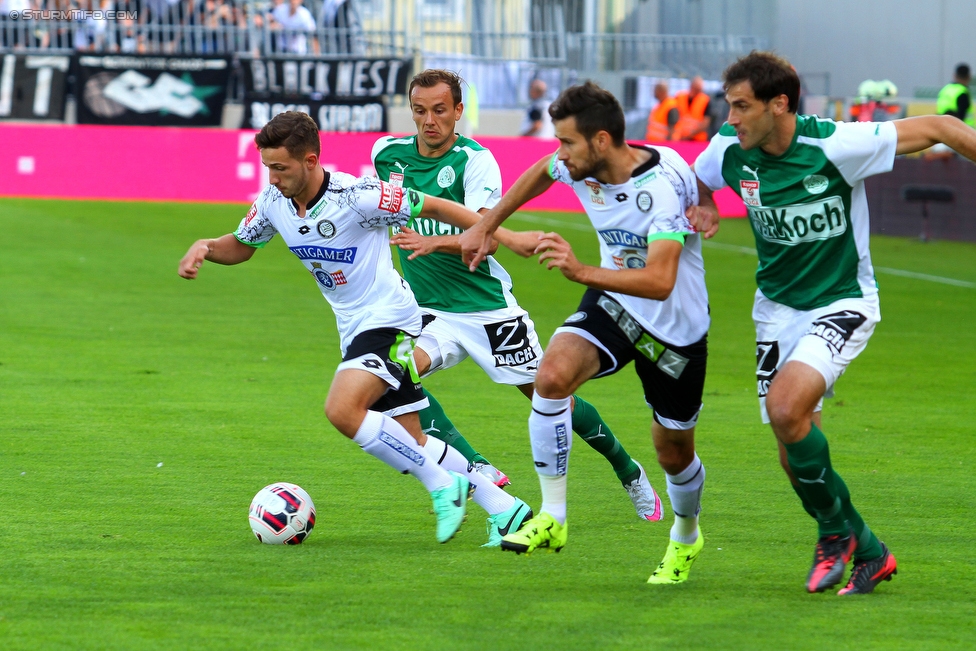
(502, 342)
(827, 338)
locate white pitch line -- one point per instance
(548, 221)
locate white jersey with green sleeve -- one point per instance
(807, 207)
(343, 241)
(627, 217)
(468, 174)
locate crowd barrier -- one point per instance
(216, 165)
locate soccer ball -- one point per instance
(281, 514)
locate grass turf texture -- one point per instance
(110, 364)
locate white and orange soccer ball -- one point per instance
(282, 514)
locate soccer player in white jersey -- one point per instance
(646, 303)
(475, 314)
(802, 180)
(336, 225)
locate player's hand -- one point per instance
(558, 254)
(475, 245)
(523, 243)
(410, 240)
(193, 259)
(704, 219)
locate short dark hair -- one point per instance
(769, 75)
(594, 108)
(293, 130)
(433, 76)
(962, 71)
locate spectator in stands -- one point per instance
(14, 33)
(295, 22)
(693, 106)
(537, 122)
(342, 30)
(664, 116)
(954, 98)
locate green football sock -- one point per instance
(809, 460)
(868, 545)
(435, 423)
(806, 505)
(591, 428)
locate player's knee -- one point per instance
(552, 382)
(343, 418)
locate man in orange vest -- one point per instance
(693, 107)
(665, 115)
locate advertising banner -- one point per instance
(151, 90)
(325, 81)
(94, 162)
(32, 87)
(351, 116)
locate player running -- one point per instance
(475, 314)
(645, 303)
(337, 226)
(802, 179)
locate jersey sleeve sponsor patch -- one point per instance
(391, 197)
(255, 229)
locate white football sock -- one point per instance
(685, 490)
(486, 495)
(388, 441)
(550, 432)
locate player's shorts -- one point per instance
(673, 377)
(387, 353)
(502, 342)
(827, 338)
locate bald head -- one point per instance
(697, 85)
(537, 89)
(660, 91)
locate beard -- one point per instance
(590, 168)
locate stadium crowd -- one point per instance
(182, 26)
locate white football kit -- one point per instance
(344, 243)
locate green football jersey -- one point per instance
(467, 174)
(807, 207)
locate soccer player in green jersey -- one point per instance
(802, 180)
(474, 314)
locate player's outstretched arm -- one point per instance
(704, 217)
(225, 249)
(655, 281)
(918, 133)
(476, 241)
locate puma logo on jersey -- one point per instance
(403, 168)
(754, 172)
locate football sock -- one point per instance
(803, 501)
(388, 441)
(554, 496)
(809, 460)
(868, 545)
(435, 423)
(549, 425)
(685, 490)
(590, 427)
(486, 495)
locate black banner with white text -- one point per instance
(32, 86)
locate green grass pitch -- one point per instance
(111, 364)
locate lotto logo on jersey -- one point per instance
(750, 192)
(596, 193)
(396, 179)
(807, 222)
(391, 197)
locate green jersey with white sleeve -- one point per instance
(469, 175)
(807, 207)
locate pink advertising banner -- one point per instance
(216, 165)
